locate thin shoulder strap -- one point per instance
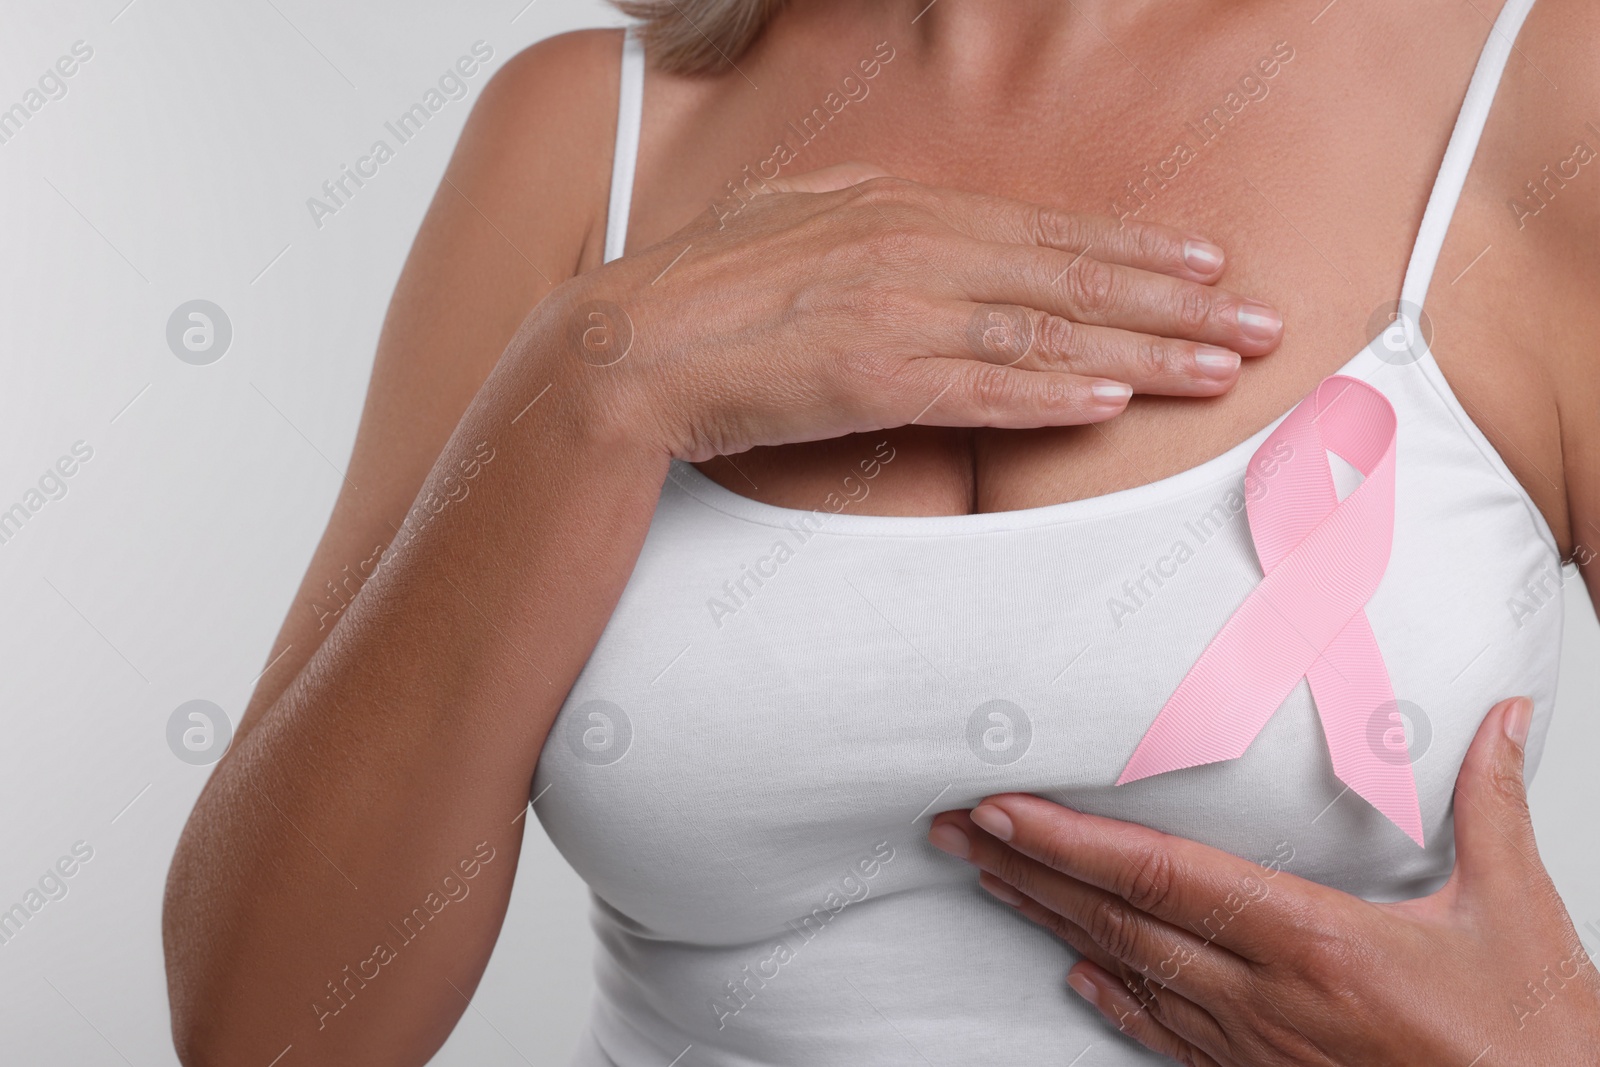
(630, 115)
(1463, 146)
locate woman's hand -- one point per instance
(1216, 961)
(844, 301)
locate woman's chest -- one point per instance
(776, 688)
(1310, 165)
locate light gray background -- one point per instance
(177, 167)
(184, 151)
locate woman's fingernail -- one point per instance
(1084, 988)
(1518, 717)
(948, 838)
(1202, 257)
(1259, 321)
(993, 820)
(1109, 392)
(1216, 363)
(999, 890)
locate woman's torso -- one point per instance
(744, 771)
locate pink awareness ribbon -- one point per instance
(1322, 559)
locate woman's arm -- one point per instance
(1569, 247)
(1542, 148)
(521, 204)
(411, 730)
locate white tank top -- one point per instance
(745, 771)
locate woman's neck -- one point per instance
(978, 43)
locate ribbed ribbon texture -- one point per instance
(1322, 559)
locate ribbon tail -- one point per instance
(1366, 740)
(1236, 685)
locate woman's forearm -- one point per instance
(342, 880)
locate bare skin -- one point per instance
(1066, 119)
(381, 749)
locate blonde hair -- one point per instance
(698, 36)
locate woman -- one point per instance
(819, 514)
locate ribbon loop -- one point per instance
(1322, 559)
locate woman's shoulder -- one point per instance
(1546, 135)
(1547, 156)
(540, 139)
(569, 72)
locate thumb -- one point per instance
(826, 179)
(1494, 831)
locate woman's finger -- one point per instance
(1134, 1014)
(1035, 340)
(1171, 1008)
(1145, 245)
(1087, 290)
(1192, 965)
(938, 391)
(1242, 906)
(829, 179)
